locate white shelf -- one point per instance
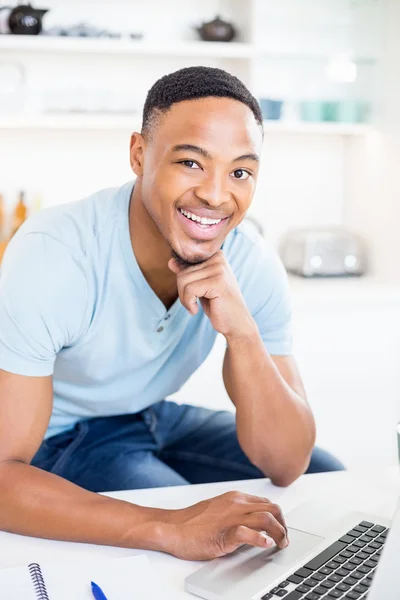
(79, 45)
(78, 121)
(317, 128)
(132, 122)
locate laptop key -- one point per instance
(325, 556)
(334, 594)
(339, 559)
(352, 595)
(320, 590)
(303, 573)
(294, 579)
(354, 533)
(303, 589)
(360, 528)
(349, 566)
(342, 572)
(363, 555)
(359, 544)
(352, 549)
(364, 569)
(311, 582)
(366, 524)
(376, 545)
(277, 591)
(369, 550)
(360, 588)
(283, 584)
(371, 562)
(346, 539)
(319, 576)
(333, 565)
(325, 571)
(343, 587)
(335, 578)
(345, 554)
(267, 596)
(327, 584)
(355, 560)
(350, 581)
(357, 575)
(366, 538)
(378, 528)
(381, 539)
(312, 596)
(293, 596)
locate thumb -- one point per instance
(172, 264)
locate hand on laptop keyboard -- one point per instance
(220, 525)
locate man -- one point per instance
(109, 304)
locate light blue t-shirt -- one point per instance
(74, 303)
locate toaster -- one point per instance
(332, 252)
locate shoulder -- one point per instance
(76, 224)
(248, 252)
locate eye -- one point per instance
(241, 174)
(190, 164)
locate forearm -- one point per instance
(275, 425)
(40, 504)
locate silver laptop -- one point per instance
(350, 556)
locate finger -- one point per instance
(172, 264)
(250, 504)
(265, 521)
(216, 258)
(204, 288)
(274, 509)
(237, 536)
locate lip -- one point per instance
(200, 232)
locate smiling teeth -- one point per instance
(202, 220)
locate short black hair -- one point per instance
(192, 83)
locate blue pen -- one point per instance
(97, 592)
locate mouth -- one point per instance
(200, 229)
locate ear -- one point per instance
(137, 148)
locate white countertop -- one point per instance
(371, 492)
(343, 290)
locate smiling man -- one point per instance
(109, 304)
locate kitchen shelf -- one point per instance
(81, 45)
(105, 122)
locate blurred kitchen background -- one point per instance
(73, 78)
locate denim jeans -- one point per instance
(164, 445)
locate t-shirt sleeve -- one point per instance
(267, 295)
(43, 303)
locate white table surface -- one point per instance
(376, 493)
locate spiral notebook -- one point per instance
(130, 578)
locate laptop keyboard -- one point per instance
(343, 570)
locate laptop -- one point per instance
(333, 553)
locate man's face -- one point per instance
(201, 161)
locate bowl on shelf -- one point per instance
(353, 111)
(271, 109)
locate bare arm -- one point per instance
(275, 425)
(36, 503)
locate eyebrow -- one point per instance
(206, 154)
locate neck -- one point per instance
(151, 250)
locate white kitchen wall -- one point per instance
(303, 176)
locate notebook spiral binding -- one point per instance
(38, 582)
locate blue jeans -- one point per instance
(164, 445)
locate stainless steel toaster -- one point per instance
(331, 252)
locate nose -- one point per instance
(213, 189)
